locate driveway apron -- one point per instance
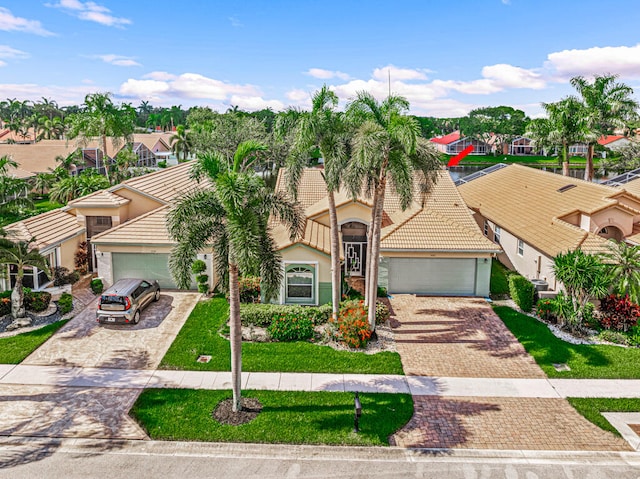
(50, 410)
(463, 337)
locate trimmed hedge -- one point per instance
(263, 314)
(65, 303)
(35, 301)
(522, 291)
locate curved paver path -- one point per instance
(82, 342)
(463, 337)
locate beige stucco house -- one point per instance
(434, 249)
(535, 215)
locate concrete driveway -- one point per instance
(82, 342)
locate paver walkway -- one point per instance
(463, 337)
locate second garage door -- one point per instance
(436, 276)
(143, 265)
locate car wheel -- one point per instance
(156, 296)
(136, 317)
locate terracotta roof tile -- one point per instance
(99, 199)
(48, 228)
(149, 228)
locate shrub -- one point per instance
(73, 277)
(382, 312)
(264, 314)
(198, 266)
(65, 303)
(615, 337)
(522, 292)
(81, 259)
(5, 303)
(382, 292)
(97, 286)
(618, 313)
(545, 310)
(62, 276)
(291, 327)
(249, 289)
(162, 164)
(202, 278)
(203, 288)
(37, 301)
(352, 327)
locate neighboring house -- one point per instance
(454, 143)
(535, 215)
(434, 249)
(38, 157)
(124, 226)
(521, 146)
(614, 142)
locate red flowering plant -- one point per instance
(618, 313)
(291, 327)
(352, 327)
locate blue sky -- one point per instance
(446, 57)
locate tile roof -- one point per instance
(48, 228)
(38, 157)
(529, 204)
(446, 139)
(444, 223)
(166, 184)
(101, 198)
(606, 139)
(149, 228)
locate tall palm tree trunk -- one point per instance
(104, 157)
(367, 274)
(375, 253)
(335, 256)
(588, 169)
(17, 297)
(235, 336)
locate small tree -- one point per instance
(583, 277)
(622, 264)
(21, 254)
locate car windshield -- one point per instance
(112, 299)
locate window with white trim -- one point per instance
(520, 247)
(300, 284)
(496, 234)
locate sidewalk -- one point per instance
(414, 385)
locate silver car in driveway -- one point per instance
(123, 302)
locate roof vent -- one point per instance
(565, 188)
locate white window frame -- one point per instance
(496, 234)
(520, 247)
(316, 286)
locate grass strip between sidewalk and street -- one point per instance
(587, 361)
(289, 417)
(199, 336)
(591, 409)
(14, 349)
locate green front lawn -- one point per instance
(14, 349)
(591, 408)
(286, 417)
(199, 336)
(499, 282)
(585, 361)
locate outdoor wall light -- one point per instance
(358, 412)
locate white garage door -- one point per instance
(143, 265)
(437, 276)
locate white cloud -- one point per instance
(118, 60)
(9, 23)
(622, 60)
(3, 64)
(165, 87)
(509, 76)
(90, 11)
(162, 76)
(396, 73)
(323, 74)
(235, 22)
(7, 52)
(298, 96)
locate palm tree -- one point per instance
(565, 125)
(72, 187)
(21, 254)
(232, 217)
(50, 128)
(622, 263)
(609, 106)
(13, 191)
(43, 181)
(181, 142)
(322, 128)
(100, 119)
(387, 146)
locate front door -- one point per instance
(354, 253)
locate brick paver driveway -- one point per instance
(84, 343)
(97, 412)
(463, 337)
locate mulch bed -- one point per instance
(223, 413)
(36, 320)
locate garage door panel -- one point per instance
(143, 265)
(436, 276)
